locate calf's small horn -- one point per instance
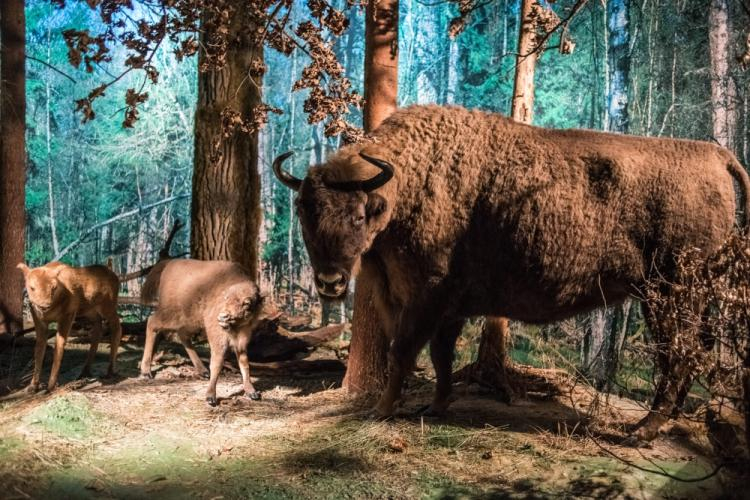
(285, 177)
(386, 174)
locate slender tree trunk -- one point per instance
(12, 160)
(522, 105)
(723, 91)
(605, 334)
(226, 212)
(366, 370)
(50, 191)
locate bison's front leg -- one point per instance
(218, 352)
(442, 347)
(244, 363)
(148, 346)
(40, 349)
(415, 327)
(96, 336)
(63, 330)
(115, 330)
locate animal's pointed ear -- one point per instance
(24, 268)
(376, 205)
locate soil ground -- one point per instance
(128, 438)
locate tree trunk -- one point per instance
(606, 332)
(723, 90)
(226, 212)
(367, 366)
(522, 105)
(12, 161)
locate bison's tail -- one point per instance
(740, 175)
(150, 289)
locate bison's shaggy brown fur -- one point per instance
(58, 293)
(215, 297)
(486, 216)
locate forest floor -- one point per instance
(129, 438)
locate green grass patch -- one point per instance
(68, 416)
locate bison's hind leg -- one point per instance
(242, 360)
(96, 336)
(115, 328)
(187, 342)
(152, 333)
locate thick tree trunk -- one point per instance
(226, 211)
(12, 161)
(723, 92)
(366, 370)
(618, 64)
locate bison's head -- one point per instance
(242, 304)
(42, 286)
(339, 220)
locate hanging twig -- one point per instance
(56, 70)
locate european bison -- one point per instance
(59, 293)
(215, 297)
(455, 213)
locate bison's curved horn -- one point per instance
(368, 185)
(285, 177)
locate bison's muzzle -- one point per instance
(332, 285)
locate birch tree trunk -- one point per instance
(12, 161)
(522, 105)
(226, 212)
(367, 366)
(723, 92)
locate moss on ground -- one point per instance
(66, 416)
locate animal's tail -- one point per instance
(743, 179)
(150, 289)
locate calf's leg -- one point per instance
(115, 329)
(148, 348)
(244, 363)
(40, 349)
(63, 330)
(200, 368)
(218, 352)
(96, 335)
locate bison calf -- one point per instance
(216, 297)
(58, 293)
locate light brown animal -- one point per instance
(215, 297)
(456, 213)
(58, 293)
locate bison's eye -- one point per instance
(32, 288)
(359, 220)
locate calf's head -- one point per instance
(42, 285)
(339, 220)
(241, 304)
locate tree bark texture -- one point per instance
(12, 161)
(723, 91)
(226, 210)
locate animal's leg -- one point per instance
(244, 363)
(115, 329)
(415, 328)
(200, 368)
(40, 348)
(96, 335)
(442, 347)
(63, 330)
(677, 362)
(218, 351)
(148, 348)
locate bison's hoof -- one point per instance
(431, 411)
(84, 374)
(111, 374)
(255, 395)
(212, 401)
(204, 375)
(32, 388)
(146, 376)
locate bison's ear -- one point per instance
(376, 205)
(23, 267)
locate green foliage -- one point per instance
(68, 416)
